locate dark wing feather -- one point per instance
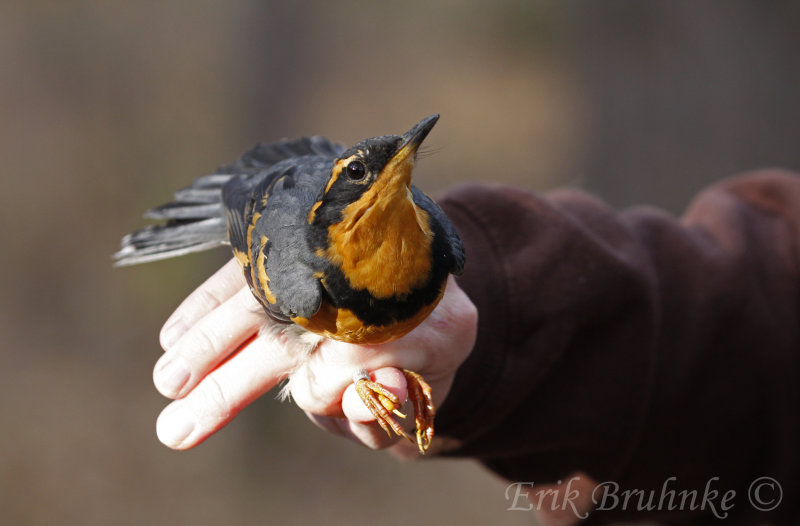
(455, 254)
(264, 155)
(195, 219)
(291, 264)
(277, 202)
(237, 197)
(257, 170)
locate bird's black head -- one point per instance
(366, 222)
(379, 166)
(384, 156)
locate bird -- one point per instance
(333, 242)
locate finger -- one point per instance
(209, 341)
(434, 349)
(219, 397)
(213, 292)
(367, 434)
(318, 384)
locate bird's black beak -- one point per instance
(398, 170)
(414, 137)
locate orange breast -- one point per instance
(344, 325)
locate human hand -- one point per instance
(216, 363)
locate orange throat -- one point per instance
(383, 243)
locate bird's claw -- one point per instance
(382, 403)
(419, 392)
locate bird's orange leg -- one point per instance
(382, 403)
(419, 392)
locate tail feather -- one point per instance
(197, 195)
(195, 221)
(186, 210)
(155, 242)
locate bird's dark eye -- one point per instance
(356, 170)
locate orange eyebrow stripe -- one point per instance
(337, 170)
(313, 213)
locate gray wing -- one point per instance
(450, 240)
(279, 243)
(254, 174)
(262, 156)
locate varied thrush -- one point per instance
(332, 241)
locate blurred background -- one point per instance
(107, 107)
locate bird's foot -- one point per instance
(419, 392)
(382, 403)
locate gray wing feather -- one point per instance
(265, 155)
(453, 240)
(291, 263)
(195, 219)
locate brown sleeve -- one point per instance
(631, 345)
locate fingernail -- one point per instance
(172, 375)
(175, 427)
(172, 332)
